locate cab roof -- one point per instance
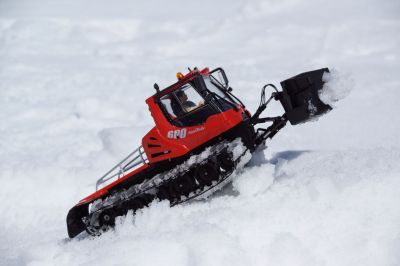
(181, 81)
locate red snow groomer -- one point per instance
(192, 149)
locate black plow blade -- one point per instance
(74, 220)
(300, 96)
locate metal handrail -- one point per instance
(135, 158)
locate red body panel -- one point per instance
(158, 139)
(104, 191)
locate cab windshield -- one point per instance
(186, 107)
(221, 96)
(192, 104)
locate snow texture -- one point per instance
(74, 76)
(337, 86)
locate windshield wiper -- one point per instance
(226, 92)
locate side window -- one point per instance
(213, 88)
(166, 101)
(224, 101)
(189, 98)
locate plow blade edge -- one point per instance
(300, 96)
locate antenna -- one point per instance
(156, 87)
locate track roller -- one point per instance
(184, 184)
(225, 160)
(107, 218)
(206, 173)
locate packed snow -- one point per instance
(74, 76)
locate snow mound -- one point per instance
(295, 208)
(337, 86)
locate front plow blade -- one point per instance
(300, 96)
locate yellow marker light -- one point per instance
(179, 75)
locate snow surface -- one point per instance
(73, 79)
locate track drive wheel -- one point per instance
(184, 184)
(206, 173)
(107, 218)
(225, 160)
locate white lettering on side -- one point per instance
(177, 134)
(198, 129)
(183, 133)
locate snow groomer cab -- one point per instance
(199, 108)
